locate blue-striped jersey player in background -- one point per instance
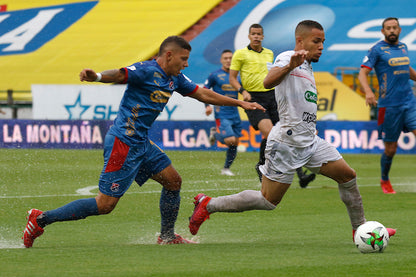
(396, 103)
(227, 119)
(129, 155)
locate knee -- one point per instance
(347, 176)
(351, 175)
(390, 149)
(269, 202)
(390, 152)
(105, 209)
(231, 141)
(175, 183)
(105, 206)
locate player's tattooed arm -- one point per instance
(107, 76)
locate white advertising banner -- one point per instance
(89, 102)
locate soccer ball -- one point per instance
(371, 237)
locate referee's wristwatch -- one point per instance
(241, 89)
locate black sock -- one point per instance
(262, 159)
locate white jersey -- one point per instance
(296, 98)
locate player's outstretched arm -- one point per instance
(107, 76)
(277, 74)
(211, 97)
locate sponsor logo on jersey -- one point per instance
(228, 87)
(159, 96)
(399, 61)
(309, 117)
(311, 96)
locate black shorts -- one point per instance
(268, 101)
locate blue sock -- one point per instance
(230, 156)
(75, 210)
(385, 166)
(170, 201)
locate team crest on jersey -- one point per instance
(115, 187)
(311, 96)
(171, 86)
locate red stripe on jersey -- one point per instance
(218, 123)
(303, 76)
(118, 156)
(381, 113)
(126, 75)
(195, 89)
(366, 67)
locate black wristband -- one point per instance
(241, 89)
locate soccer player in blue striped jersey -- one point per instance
(129, 155)
(396, 103)
(227, 118)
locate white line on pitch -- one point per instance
(87, 191)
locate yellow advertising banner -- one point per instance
(53, 40)
(336, 101)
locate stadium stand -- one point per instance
(112, 34)
(204, 22)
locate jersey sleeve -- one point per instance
(185, 85)
(236, 61)
(209, 82)
(282, 59)
(371, 58)
(133, 73)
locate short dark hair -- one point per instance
(177, 40)
(390, 18)
(307, 24)
(255, 25)
(226, 51)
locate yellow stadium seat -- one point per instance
(111, 35)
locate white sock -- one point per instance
(240, 202)
(351, 197)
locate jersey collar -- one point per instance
(249, 48)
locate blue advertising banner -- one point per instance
(351, 28)
(68, 134)
(347, 136)
(357, 137)
(89, 134)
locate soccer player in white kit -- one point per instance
(292, 142)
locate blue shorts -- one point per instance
(228, 128)
(393, 120)
(124, 164)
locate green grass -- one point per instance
(308, 234)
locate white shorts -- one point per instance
(282, 160)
